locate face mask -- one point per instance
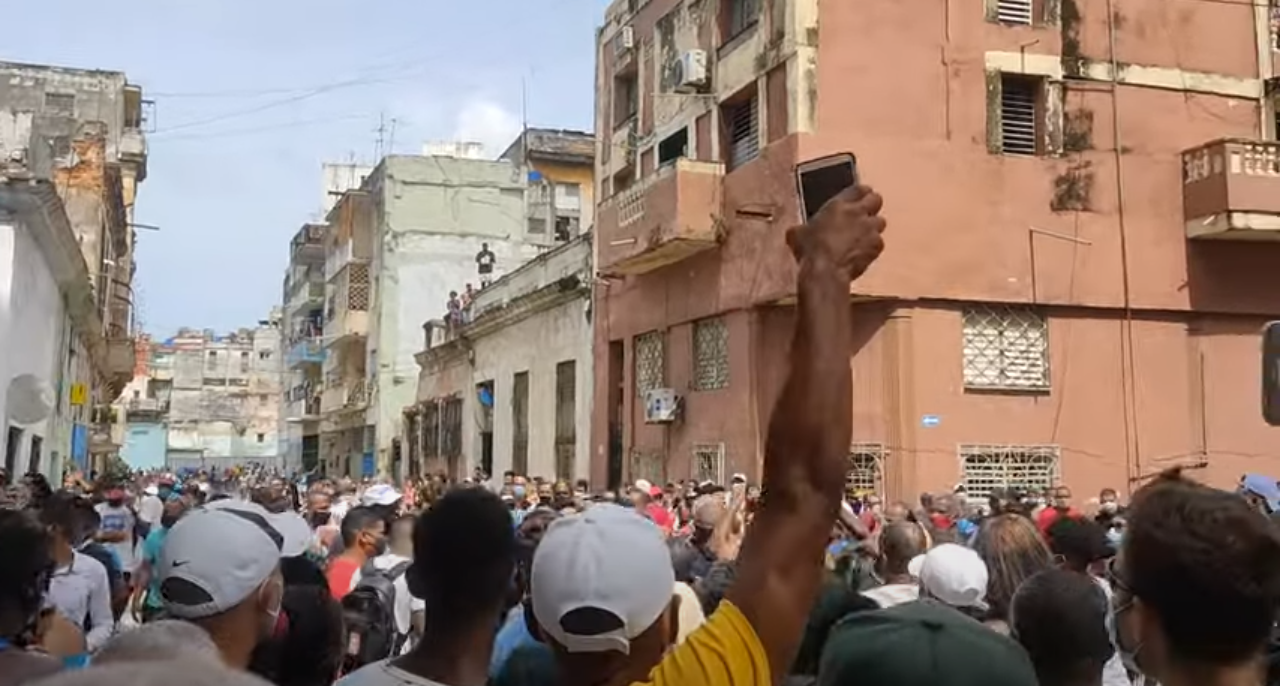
(1129, 657)
(115, 502)
(1109, 508)
(1114, 536)
(379, 546)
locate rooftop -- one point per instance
(553, 145)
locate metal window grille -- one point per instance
(566, 424)
(648, 466)
(1018, 96)
(358, 287)
(708, 463)
(744, 131)
(520, 423)
(1014, 11)
(710, 354)
(451, 428)
(987, 467)
(1005, 348)
(430, 429)
(650, 361)
(865, 472)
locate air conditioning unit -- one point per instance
(661, 406)
(627, 38)
(693, 71)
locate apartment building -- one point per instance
(510, 387)
(559, 167)
(219, 397)
(397, 247)
(1084, 200)
(302, 325)
(72, 151)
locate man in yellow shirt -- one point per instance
(606, 607)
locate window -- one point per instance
(37, 451)
(264, 354)
(137, 395)
(987, 467)
(60, 103)
(1019, 104)
(743, 14)
(674, 147)
(13, 440)
(262, 398)
(1005, 348)
(865, 472)
(262, 438)
(650, 356)
(244, 363)
(569, 197)
(211, 364)
(710, 354)
(708, 463)
(567, 228)
(743, 130)
(520, 423)
(537, 225)
(626, 99)
(1014, 11)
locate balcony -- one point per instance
(304, 293)
(306, 409)
(347, 312)
(120, 357)
(664, 219)
(337, 259)
(1231, 190)
(144, 408)
(344, 397)
(304, 352)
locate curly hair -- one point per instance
(1014, 551)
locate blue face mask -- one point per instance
(1114, 537)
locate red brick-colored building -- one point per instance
(1084, 202)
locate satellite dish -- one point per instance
(29, 399)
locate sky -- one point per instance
(251, 96)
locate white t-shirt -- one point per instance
(406, 604)
(383, 674)
(893, 594)
(118, 520)
(150, 509)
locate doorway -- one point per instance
(616, 383)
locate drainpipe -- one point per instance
(1127, 368)
(1262, 39)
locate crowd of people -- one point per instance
(251, 578)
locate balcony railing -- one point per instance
(347, 311)
(1231, 190)
(358, 394)
(306, 351)
(666, 218)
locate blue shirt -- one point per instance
(513, 634)
(151, 554)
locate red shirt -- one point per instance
(340, 573)
(660, 516)
(1049, 515)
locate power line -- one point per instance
(265, 128)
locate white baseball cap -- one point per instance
(953, 574)
(218, 555)
(380, 494)
(600, 579)
(643, 486)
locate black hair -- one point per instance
(25, 569)
(61, 511)
(359, 519)
(1080, 542)
(311, 650)
(1207, 564)
(464, 552)
(302, 571)
(1060, 617)
(835, 601)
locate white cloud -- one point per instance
(487, 122)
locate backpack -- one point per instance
(370, 613)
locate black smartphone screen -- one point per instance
(817, 186)
(1271, 373)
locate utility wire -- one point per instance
(265, 128)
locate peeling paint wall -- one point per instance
(437, 213)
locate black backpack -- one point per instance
(370, 613)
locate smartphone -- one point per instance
(822, 179)
(1271, 373)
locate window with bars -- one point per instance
(708, 463)
(520, 423)
(742, 15)
(1014, 11)
(988, 467)
(358, 287)
(865, 471)
(741, 122)
(430, 429)
(566, 415)
(451, 428)
(1005, 348)
(1019, 118)
(650, 353)
(710, 354)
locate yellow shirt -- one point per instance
(724, 651)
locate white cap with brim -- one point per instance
(380, 494)
(218, 555)
(952, 574)
(600, 579)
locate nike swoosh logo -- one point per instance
(179, 563)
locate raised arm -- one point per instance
(781, 563)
